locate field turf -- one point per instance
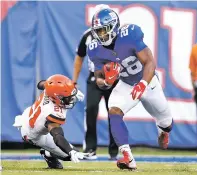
(38, 167)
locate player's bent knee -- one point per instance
(115, 110)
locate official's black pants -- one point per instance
(94, 95)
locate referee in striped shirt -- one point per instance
(94, 95)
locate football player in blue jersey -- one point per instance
(121, 51)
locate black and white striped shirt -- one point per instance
(82, 47)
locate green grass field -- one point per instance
(96, 168)
(102, 168)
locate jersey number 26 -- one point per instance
(131, 67)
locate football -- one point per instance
(108, 66)
(111, 71)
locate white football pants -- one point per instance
(153, 101)
(44, 141)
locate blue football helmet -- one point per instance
(105, 25)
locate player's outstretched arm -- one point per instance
(58, 136)
(80, 54)
(57, 133)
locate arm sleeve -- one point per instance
(59, 139)
(82, 47)
(138, 42)
(56, 118)
(92, 52)
(98, 64)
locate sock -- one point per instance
(165, 129)
(127, 149)
(118, 129)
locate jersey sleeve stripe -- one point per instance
(55, 119)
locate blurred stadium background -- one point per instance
(38, 39)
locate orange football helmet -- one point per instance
(61, 90)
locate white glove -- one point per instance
(75, 156)
(80, 95)
(17, 122)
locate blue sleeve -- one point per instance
(138, 36)
(98, 64)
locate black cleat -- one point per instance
(53, 163)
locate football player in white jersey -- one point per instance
(41, 123)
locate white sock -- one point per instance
(127, 149)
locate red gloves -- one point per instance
(139, 89)
(111, 71)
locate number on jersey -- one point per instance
(131, 67)
(57, 109)
(93, 45)
(35, 111)
(124, 31)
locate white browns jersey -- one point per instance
(36, 116)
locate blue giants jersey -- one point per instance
(129, 41)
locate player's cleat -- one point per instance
(91, 154)
(163, 140)
(53, 163)
(126, 162)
